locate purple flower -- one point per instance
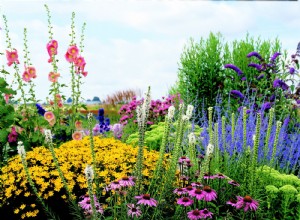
(278, 83)
(115, 185)
(260, 76)
(272, 98)
(243, 78)
(145, 199)
(256, 66)
(266, 106)
(206, 214)
(127, 181)
(232, 202)
(185, 201)
(87, 206)
(254, 54)
(198, 194)
(40, 109)
(234, 183)
(209, 194)
(194, 214)
(12, 137)
(275, 55)
(134, 211)
(233, 67)
(292, 70)
(247, 202)
(236, 94)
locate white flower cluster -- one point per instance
(90, 116)
(89, 173)
(209, 149)
(192, 138)
(21, 149)
(171, 112)
(48, 136)
(189, 111)
(142, 111)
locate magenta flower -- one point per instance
(127, 181)
(145, 199)
(12, 57)
(198, 193)
(12, 137)
(180, 191)
(196, 184)
(185, 201)
(219, 176)
(206, 214)
(234, 183)
(52, 49)
(189, 189)
(87, 206)
(194, 214)
(247, 202)
(232, 202)
(209, 194)
(133, 211)
(115, 185)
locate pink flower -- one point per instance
(115, 185)
(12, 137)
(134, 211)
(189, 189)
(87, 206)
(206, 214)
(232, 182)
(52, 122)
(78, 125)
(69, 57)
(80, 62)
(127, 181)
(84, 73)
(247, 202)
(145, 199)
(31, 71)
(194, 214)
(26, 77)
(231, 202)
(49, 116)
(77, 135)
(198, 193)
(209, 194)
(196, 184)
(12, 57)
(180, 191)
(52, 49)
(185, 201)
(52, 77)
(72, 53)
(6, 97)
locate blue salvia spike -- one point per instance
(298, 49)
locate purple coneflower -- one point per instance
(127, 181)
(185, 201)
(145, 199)
(194, 214)
(206, 214)
(254, 54)
(196, 184)
(183, 159)
(198, 194)
(236, 94)
(87, 206)
(180, 191)
(133, 211)
(219, 176)
(189, 189)
(275, 55)
(208, 176)
(235, 68)
(209, 194)
(234, 183)
(115, 185)
(232, 202)
(247, 202)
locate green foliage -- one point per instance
(154, 136)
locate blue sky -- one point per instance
(133, 44)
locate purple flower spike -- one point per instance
(256, 66)
(254, 54)
(275, 55)
(233, 67)
(260, 76)
(236, 94)
(266, 106)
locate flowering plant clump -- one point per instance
(272, 85)
(115, 160)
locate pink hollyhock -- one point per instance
(77, 135)
(6, 97)
(12, 56)
(60, 104)
(84, 73)
(12, 137)
(49, 116)
(31, 71)
(73, 50)
(69, 57)
(80, 64)
(52, 49)
(52, 122)
(78, 125)
(26, 77)
(52, 77)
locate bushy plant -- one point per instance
(114, 161)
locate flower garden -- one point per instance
(224, 144)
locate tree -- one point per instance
(96, 99)
(69, 100)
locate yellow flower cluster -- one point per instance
(114, 160)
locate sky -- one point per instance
(136, 44)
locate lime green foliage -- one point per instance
(154, 136)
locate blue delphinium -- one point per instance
(103, 125)
(40, 109)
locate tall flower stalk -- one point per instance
(22, 154)
(274, 149)
(48, 141)
(142, 116)
(267, 140)
(89, 175)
